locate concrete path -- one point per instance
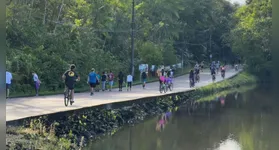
(18, 108)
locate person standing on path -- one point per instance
(129, 82)
(120, 80)
(9, 78)
(37, 83)
(104, 80)
(143, 77)
(92, 80)
(98, 82)
(110, 78)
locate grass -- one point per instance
(86, 88)
(240, 79)
(211, 97)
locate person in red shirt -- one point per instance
(110, 78)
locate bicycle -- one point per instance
(163, 88)
(170, 84)
(68, 97)
(213, 77)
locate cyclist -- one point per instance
(143, 77)
(213, 73)
(191, 78)
(162, 80)
(70, 77)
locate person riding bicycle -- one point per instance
(213, 73)
(70, 77)
(162, 79)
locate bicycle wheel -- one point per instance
(66, 97)
(70, 97)
(165, 89)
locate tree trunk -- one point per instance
(61, 7)
(44, 20)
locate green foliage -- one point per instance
(47, 36)
(251, 36)
(150, 53)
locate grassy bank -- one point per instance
(44, 92)
(72, 129)
(243, 78)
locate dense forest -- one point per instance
(46, 36)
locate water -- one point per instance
(237, 121)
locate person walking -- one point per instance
(9, 78)
(98, 82)
(120, 80)
(37, 83)
(110, 78)
(129, 82)
(104, 80)
(143, 77)
(92, 80)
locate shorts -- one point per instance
(8, 86)
(111, 83)
(70, 86)
(143, 80)
(92, 85)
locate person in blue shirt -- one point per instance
(92, 80)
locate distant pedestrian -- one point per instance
(110, 78)
(98, 82)
(129, 82)
(104, 80)
(9, 78)
(37, 83)
(120, 80)
(92, 80)
(143, 77)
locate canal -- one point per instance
(235, 121)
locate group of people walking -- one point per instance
(9, 78)
(106, 81)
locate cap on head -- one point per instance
(92, 69)
(72, 67)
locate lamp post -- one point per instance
(132, 38)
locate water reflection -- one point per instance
(229, 144)
(163, 121)
(231, 121)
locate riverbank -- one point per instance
(72, 130)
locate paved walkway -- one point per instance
(18, 108)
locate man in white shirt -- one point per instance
(129, 82)
(9, 78)
(37, 83)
